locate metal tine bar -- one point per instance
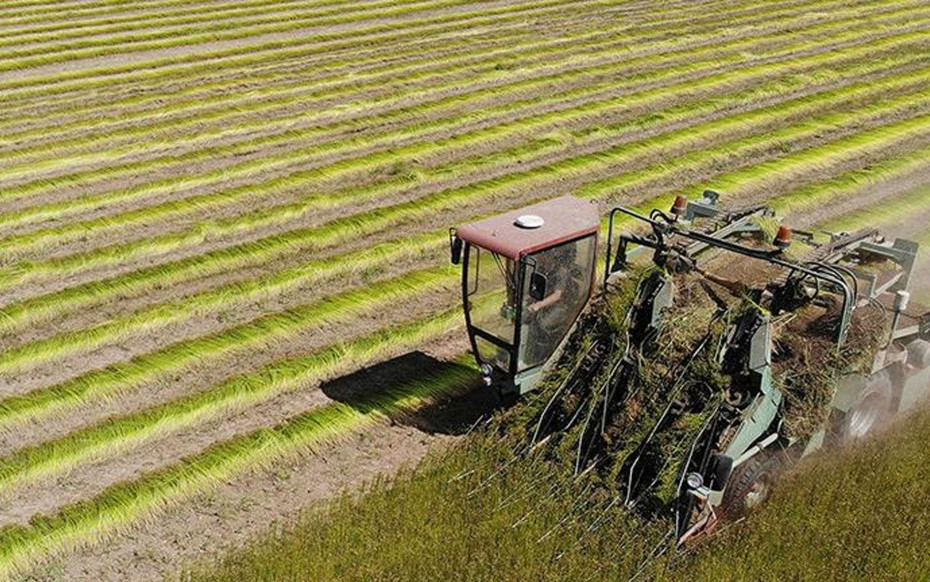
(676, 389)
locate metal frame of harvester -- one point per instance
(734, 461)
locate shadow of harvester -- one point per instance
(417, 390)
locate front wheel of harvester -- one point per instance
(751, 484)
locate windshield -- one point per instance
(556, 288)
(493, 276)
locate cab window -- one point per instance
(494, 278)
(556, 287)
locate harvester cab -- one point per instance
(534, 270)
(805, 342)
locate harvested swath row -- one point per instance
(286, 139)
(92, 76)
(219, 334)
(134, 497)
(124, 504)
(752, 184)
(809, 44)
(272, 93)
(27, 493)
(226, 30)
(59, 301)
(443, 11)
(34, 354)
(316, 65)
(26, 315)
(281, 107)
(58, 489)
(42, 11)
(63, 208)
(319, 202)
(190, 28)
(859, 173)
(171, 20)
(262, 80)
(281, 338)
(884, 210)
(48, 211)
(313, 21)
(349, 189)
(288, 134)
(188, 367)
(32, 26)
(146, 318)
(165, 69)
(238, 299)
(268, 79)
(228, 74)
(349, 224)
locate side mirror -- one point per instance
(538, 286)
(455, 245)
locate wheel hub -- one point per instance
(864, 417)
(758, 493)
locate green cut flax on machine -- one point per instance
(808, 362)
(611, 429)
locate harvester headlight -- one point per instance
(694, 480)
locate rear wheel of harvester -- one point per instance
(751, 484)
(871, 411)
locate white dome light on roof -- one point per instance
(529, 221)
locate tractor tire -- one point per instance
(751, 484)
(870, 412)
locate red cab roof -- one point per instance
(563, 219)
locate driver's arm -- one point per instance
(552, 298)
